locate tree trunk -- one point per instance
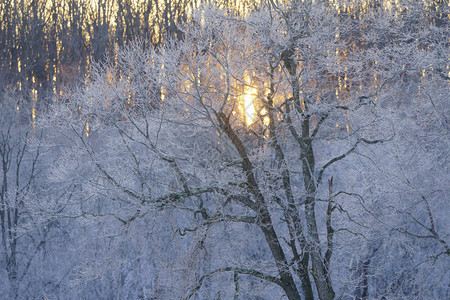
(265, 221)
(319, 272)
(277, 252)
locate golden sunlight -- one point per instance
(249, 108)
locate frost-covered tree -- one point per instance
(33, 234)
(18, 174)
(268, 155)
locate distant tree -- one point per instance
(30, 211)
(19, 165)
(47, 45)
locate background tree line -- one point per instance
(48, 44)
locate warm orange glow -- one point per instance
(33, 117)
(249, 109)
(249, 97)
(163, 93)
(266, 119)
(87, 129)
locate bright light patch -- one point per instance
(250, 111)
(249, 94)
